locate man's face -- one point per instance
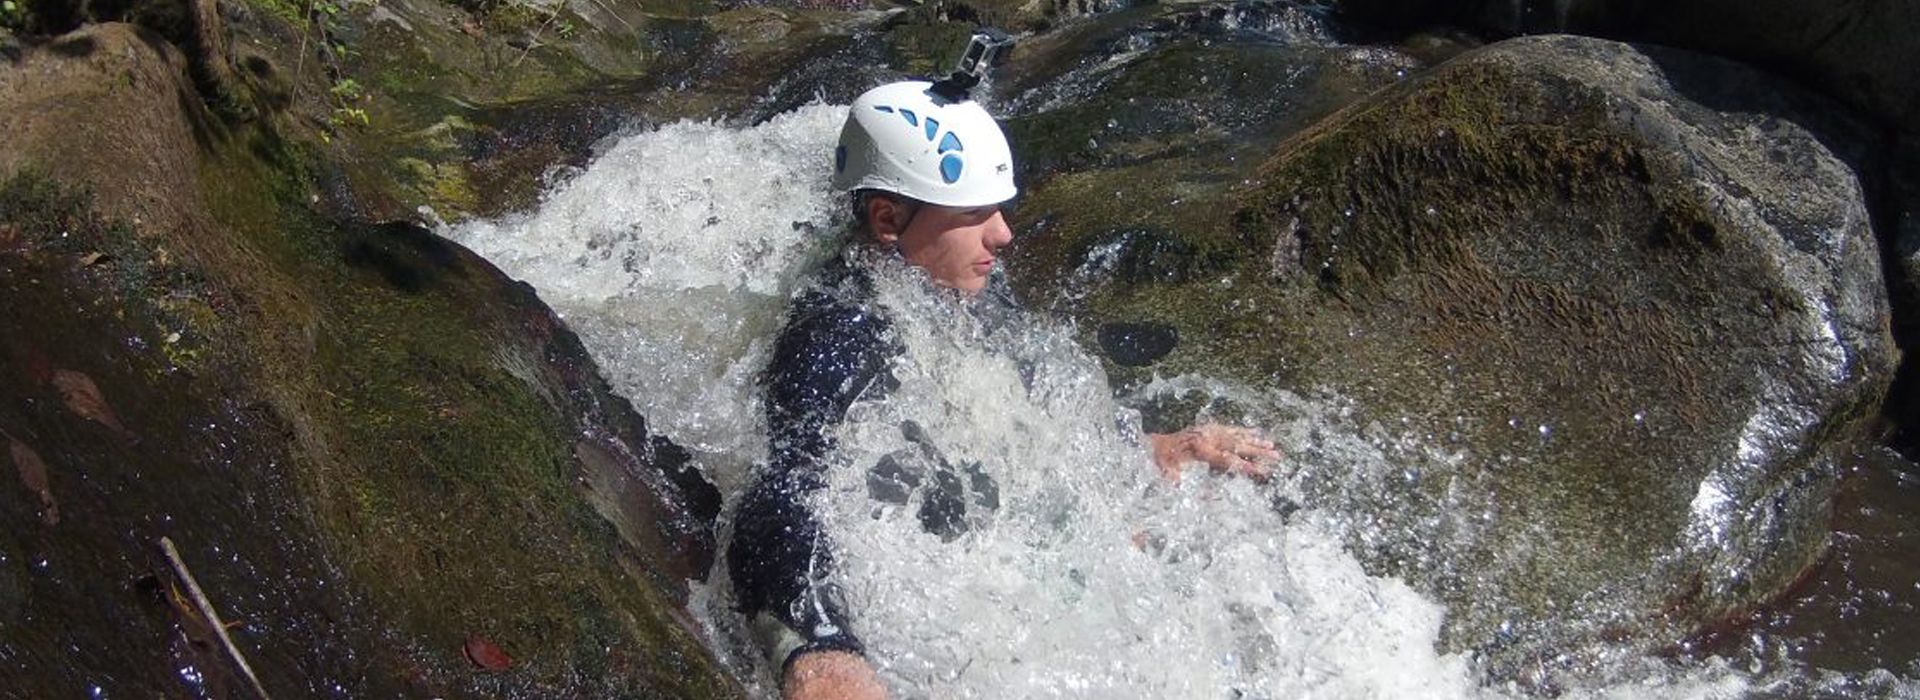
(957, 247)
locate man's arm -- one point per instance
(781, 559)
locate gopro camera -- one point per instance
(983, 50)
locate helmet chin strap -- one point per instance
(913, 212)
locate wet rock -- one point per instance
(1628, 300)
(1850, 51)
(363, 435)
(1142, 122)
(1137, 344)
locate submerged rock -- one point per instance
(369, 444)
(1619, 304)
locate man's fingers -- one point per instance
(1236, 466)
(1213, 455)
(1258, 450)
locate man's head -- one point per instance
(930, 173)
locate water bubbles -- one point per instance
(192, 677)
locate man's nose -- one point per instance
(998, 233)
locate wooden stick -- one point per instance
(213, 618)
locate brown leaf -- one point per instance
(83, 397)
(486, 654)
(94, 258)
(33, 473)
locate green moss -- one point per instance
(290, 11)
(443, 187)
(145, 283)
(924, 44)
(446, 483)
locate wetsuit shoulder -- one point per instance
(835, 349)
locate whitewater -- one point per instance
(673, 256)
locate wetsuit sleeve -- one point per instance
(780, 559)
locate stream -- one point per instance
(673, 255)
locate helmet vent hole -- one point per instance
(950, 168)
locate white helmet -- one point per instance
(907, 139)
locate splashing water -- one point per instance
(673, 257)
(1091, 579)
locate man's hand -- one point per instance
(831, 675)
(1226, 449)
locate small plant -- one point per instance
(346, 90)
(13, 15)
(350, 116)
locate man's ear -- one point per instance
(887, 218)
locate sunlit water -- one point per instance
(674, 254)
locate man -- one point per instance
(928, 170)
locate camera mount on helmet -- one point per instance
(982, 51)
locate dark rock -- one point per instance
(1862, 53)
(1138, 344)
(1632, 292)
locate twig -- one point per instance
(213, 618)
(300, 65)
(616, 16)
(535, 42)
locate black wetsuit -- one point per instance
(836, 348)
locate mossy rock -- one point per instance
(372, 446)
(1624, 302)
